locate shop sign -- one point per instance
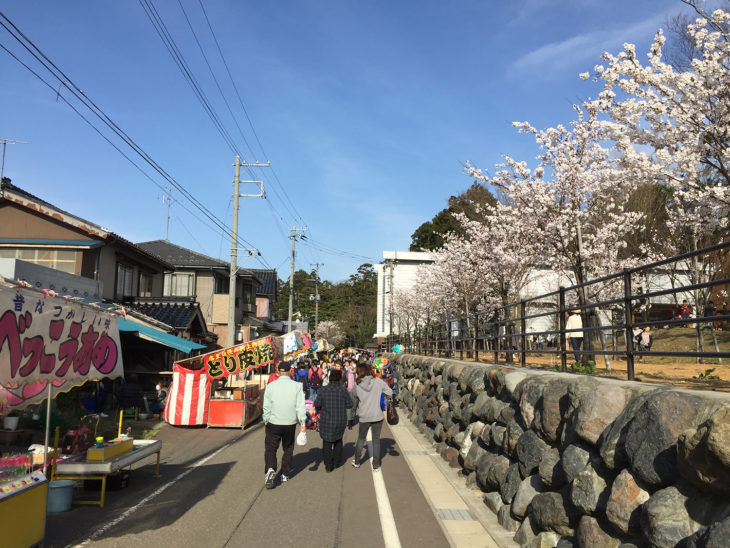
(46, 338)
(239, 359)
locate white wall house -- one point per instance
(398, 271)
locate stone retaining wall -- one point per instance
(570, 460)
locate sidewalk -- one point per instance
(460, 511)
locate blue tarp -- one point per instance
(183, 345)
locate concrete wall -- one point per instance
(584, 461)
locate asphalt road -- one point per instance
(210, 494)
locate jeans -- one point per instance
(313, 394)
(332, 453)
(575, 344)
(362, 433)
(276, 433)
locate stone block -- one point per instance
(528, 530)
(573, 460)
(497, 434)
(665, 518)
(506, 520)
(530, 449)
(588, 491)
(490, 469)
(510, 482)
(476, 450)
(623, 509)
(591, 534)
(529, 487)
(598, 408)
(493, 500)
(550, 470)
(551, 513)
(528, 393)
(702, 454)
(546, 539)
(551, 409)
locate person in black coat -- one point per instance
(333, 403)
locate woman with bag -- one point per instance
(333, 403)
(366, 397)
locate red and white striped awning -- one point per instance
(187, 401)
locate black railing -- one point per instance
(504, 330)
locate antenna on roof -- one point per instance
(169, 200)
(6, 142)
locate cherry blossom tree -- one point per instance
(672, 126)
(330, 331)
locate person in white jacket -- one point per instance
(366, 403)
(575, 337)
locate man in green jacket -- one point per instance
(283, 408)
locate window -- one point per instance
(145, 284)
(60, 259)
(248, 294)
(221, 285)
(179, 285)
(125, 276)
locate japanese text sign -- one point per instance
(46, 338)
(241, 358)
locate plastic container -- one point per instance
(60, 493)
(10, 423)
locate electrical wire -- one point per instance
(68, 84)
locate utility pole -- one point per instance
(5, 143)
(293, 238)
(316, 294)
(231, 331)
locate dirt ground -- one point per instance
(676, 371)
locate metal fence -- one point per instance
(503, 331)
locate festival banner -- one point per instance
(45, 338)
(239, 359)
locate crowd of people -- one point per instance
(343, 389)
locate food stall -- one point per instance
(221, 388)
(49, 344)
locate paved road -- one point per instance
(210, 494)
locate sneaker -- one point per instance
(376, 469)
(355, 464)
(270, 477)
(284, 478)
(103, 415)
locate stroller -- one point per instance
(312, 416)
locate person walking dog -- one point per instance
(283, 408)
(334, 404)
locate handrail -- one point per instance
(503, 330)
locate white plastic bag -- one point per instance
(302, 438)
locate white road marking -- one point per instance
(387, 521)
(149, 497)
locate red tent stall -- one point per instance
(216, 389)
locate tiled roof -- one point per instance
(181, 257)
(178, 313)
(70, 219)
(268, 279)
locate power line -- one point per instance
(68, 84)
(245, 111)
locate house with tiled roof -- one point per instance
(36, 231)
(205, 281)
(79, 258)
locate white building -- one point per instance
(398, 271)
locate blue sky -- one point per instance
(367, 111)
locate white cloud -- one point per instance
(581, 52)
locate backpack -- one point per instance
(315, 378)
